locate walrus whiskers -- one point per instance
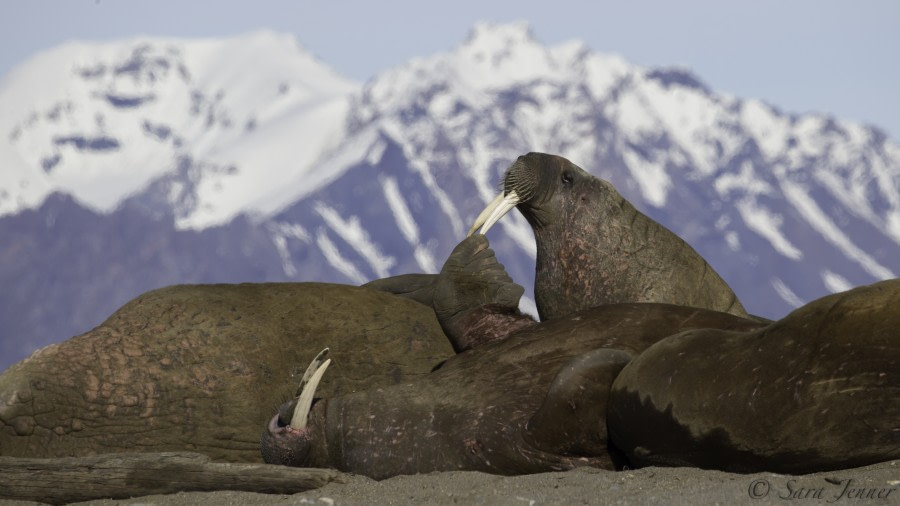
(519, 185)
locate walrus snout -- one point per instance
(287, 438)
(521, 178)
(286, 413)
(285, 445)
(520, 184)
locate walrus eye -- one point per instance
(567, 178)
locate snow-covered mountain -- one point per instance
(131, 165)
(225, 126)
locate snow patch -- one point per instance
(281, 232)
(746, 181)
(768, 225)
(402, 215)
(603, 72)
(690, 118)
(406, 223)
(287, 263)
(733, 240)
(650, 176)
(336, 260)
(835, 282)
(769, 130)
(291, 230)
(528, 306)
(786, 293)
(421, 167)
(497, 55)
(817, 218)
(356, 236)
(425, 259)
(892, 224)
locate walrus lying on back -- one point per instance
(520, 397)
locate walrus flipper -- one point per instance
(475, 300)
(417, 287)
(569, 422)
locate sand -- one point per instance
(871, 485)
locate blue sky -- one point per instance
(839, 57)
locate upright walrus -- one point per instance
(594, 247)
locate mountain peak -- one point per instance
(497, 55)
(491, 34)
(102, 120)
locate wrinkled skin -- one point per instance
(200, 368)
(594, 247)
(475, 300)
(531, 401)
(817, 390)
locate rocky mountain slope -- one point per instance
(132, 165)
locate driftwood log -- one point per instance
(124, 475)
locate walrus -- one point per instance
(594, 247)
(200, 367)
(529, 400)
(816, 391)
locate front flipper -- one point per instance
(572, 419)
(475, 300)
(418, 287)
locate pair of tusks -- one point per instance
(498, 207)
(306, 391)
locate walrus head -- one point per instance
(540, 186)
(288, 437)
(594, 247)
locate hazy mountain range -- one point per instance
(135, 164)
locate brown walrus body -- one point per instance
(530, 401)
(200, 368)
(817, 390)
(482, 410)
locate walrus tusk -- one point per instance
(316, 362)
(308, 385)
(498, 207)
